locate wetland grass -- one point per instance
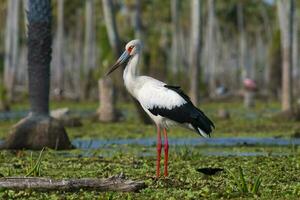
(242, 185)
(270, 175)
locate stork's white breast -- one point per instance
(154, 94)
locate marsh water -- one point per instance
(209, 147)
(205, 146)
(95, 144)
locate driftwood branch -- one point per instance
(46, 184)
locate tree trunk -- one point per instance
(106, 111)
(39, 55)
(195, 51)
(59, 49)
(11, 47)
(295, 54)
(242, 42)
(116, 184)
(211, 47)
(248, 95)
(286, 16)
(175, 61)
(77, 61)
(137, 25)
(138, 30)
(105, 86)
(89, 49)
(274, 75)
(114, 41)
(112, 31)
(38, 129)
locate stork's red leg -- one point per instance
(158, 152)
(166, 148)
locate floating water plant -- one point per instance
(242, 185)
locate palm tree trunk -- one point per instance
(39, 56)
(38, 130)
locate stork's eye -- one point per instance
(130, 48)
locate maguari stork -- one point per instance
(166, 105)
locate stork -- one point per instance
(166, 105)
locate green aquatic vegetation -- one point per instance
(280, 174)
(35, 169)
(278, 168)
(243, 186)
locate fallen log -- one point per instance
(119, 184)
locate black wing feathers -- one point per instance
(186, 113)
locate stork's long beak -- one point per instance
(123, 59)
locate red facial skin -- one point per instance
(130, 49)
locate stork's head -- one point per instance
(131, 48)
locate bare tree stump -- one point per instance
(119, 184)
(106, 111)
(249, 99)
(35, 132)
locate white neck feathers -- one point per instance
(130, 73)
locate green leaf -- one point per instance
(36, 169)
